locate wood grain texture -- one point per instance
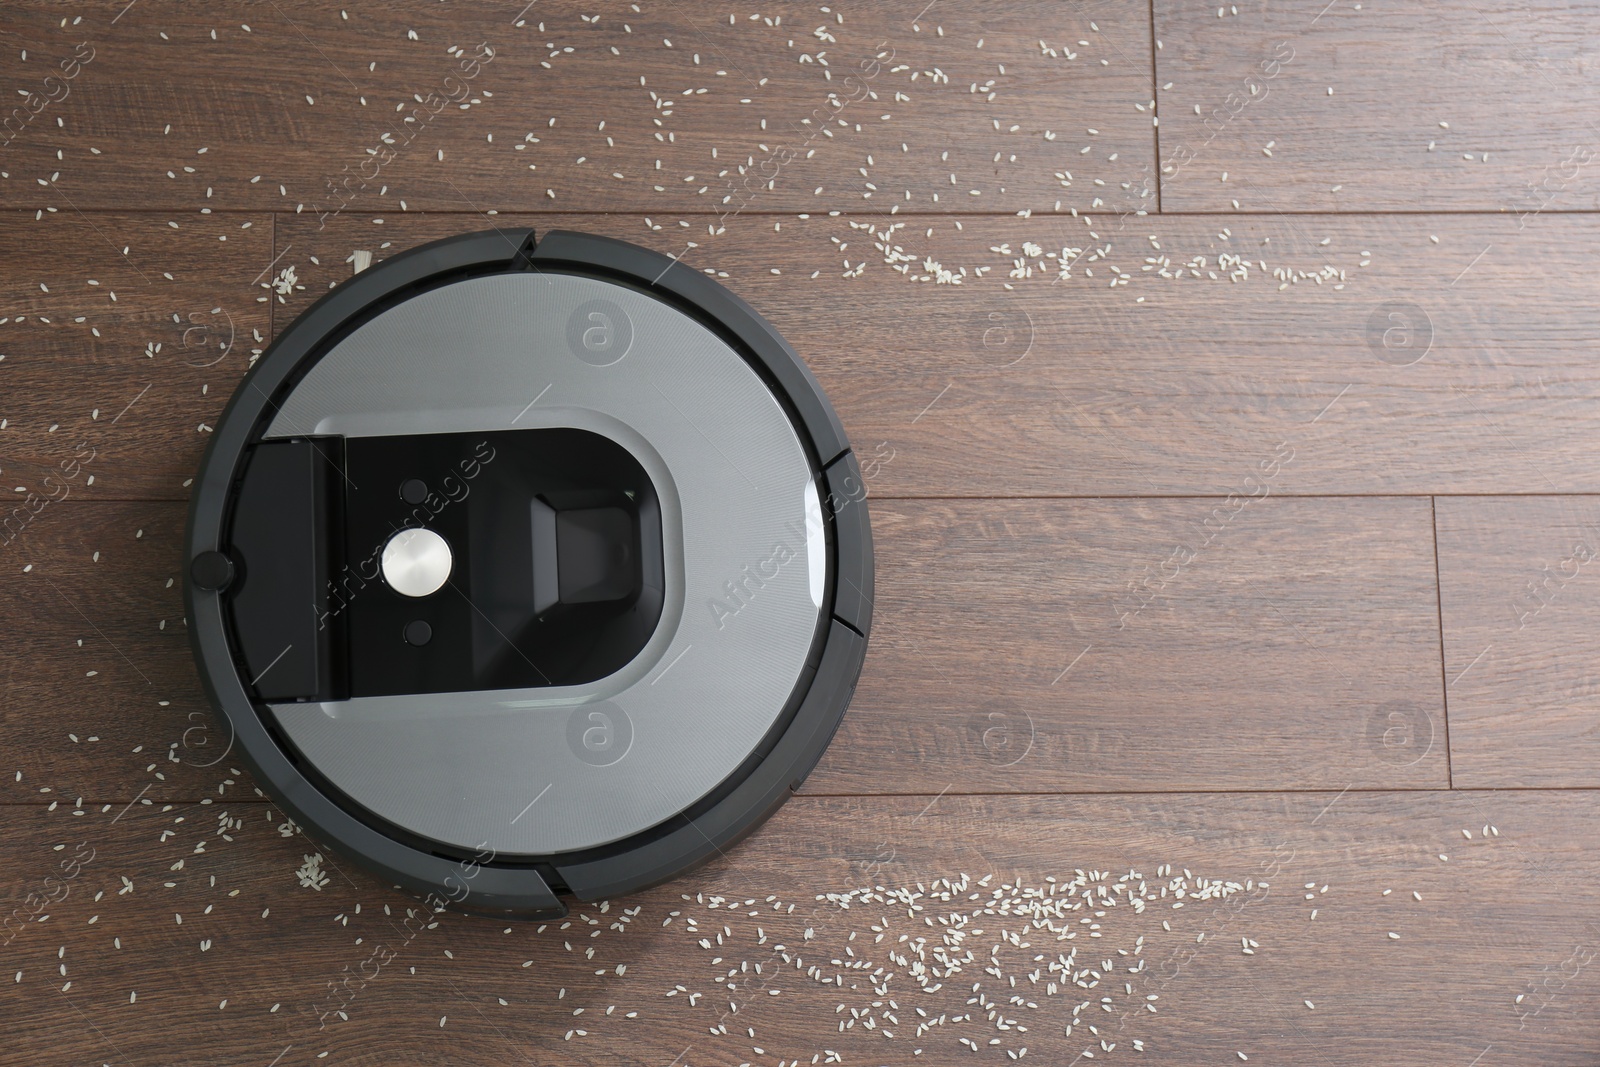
(1518, 603)
(1433, 107)
(305, 104)
(123, 337)
(109, 721)
(98, 691)
(1130, 645)
(1502, 916)
(115, 569)
(1441, 366)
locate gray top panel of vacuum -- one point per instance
(540, 771)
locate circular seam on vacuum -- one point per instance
(742, 541)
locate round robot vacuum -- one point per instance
(526, 567)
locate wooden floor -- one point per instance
(1227, 382)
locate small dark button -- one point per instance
(211, 570)
(413, 490)
(418, 633)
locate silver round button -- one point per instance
(416, 562)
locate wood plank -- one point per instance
(1503, 916)
(306, 105)
(114, 569)
(1518, 608)
(99, 696)
(87, 398)
(1099, 648)
(1447, 107)
(109, 721)
(1439, 367)
(1132, 645)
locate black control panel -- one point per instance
(556, 575)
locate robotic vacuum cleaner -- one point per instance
(525, 567)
